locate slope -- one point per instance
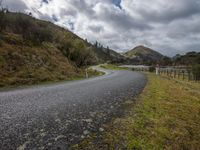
(143, 55)
(33, 51)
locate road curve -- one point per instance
(59, 115)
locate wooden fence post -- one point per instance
(174, 73)
(188, 75)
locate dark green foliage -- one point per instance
(189, 59)
(32, 31)
(65, 47)
(196, 71)
(35, 32)
(78, 52)
(152, 69)
(41, 35)
(165, 61)
(2, 18)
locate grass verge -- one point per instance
(112, 67)
(91, 74)
(165, 116)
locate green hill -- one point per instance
(143, 55)
(33, 50)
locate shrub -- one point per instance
(65, 47)
(31, 30)
(152, 69)
(196, 71)
(2, 61)
(2, 20)
(40, 35)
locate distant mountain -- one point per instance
(143, 55)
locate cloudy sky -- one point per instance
(168, 26)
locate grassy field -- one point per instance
(112, 67)
(165, 116)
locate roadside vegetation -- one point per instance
(34, 51)
(112, 67)
(165, 116)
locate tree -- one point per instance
(108, 50)
(2, 16)
(96, 44)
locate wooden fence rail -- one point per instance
(184, 74)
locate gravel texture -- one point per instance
(59, 115)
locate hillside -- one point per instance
(33, 51)
(189, 59)
(143, 55)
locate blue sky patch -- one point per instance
(117, 3)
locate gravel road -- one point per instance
(59, 115)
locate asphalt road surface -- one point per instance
(59, 115)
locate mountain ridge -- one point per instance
(143, 55)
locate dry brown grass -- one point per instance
(22, 64)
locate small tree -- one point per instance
(108, 50)
(96, 44)
(152, 69)
(2, 16)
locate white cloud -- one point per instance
(167, 26)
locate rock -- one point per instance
(88, 120)
(59, 137)
(82, 136)
(101, 129)
(86, 132)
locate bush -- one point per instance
(65, 47)
(196, 71)
(2, 20)
(152, 69)
(31, 30)
(40, 35)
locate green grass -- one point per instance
(112, 67)
(91, 74)
(165, 116)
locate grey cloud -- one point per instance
(96, 29)
(83, 7)
(178, 9)
(66, 12)
(119, 19)
(15, 5)
(170, 26)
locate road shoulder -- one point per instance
(165, 115)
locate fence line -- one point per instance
(172, 72)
